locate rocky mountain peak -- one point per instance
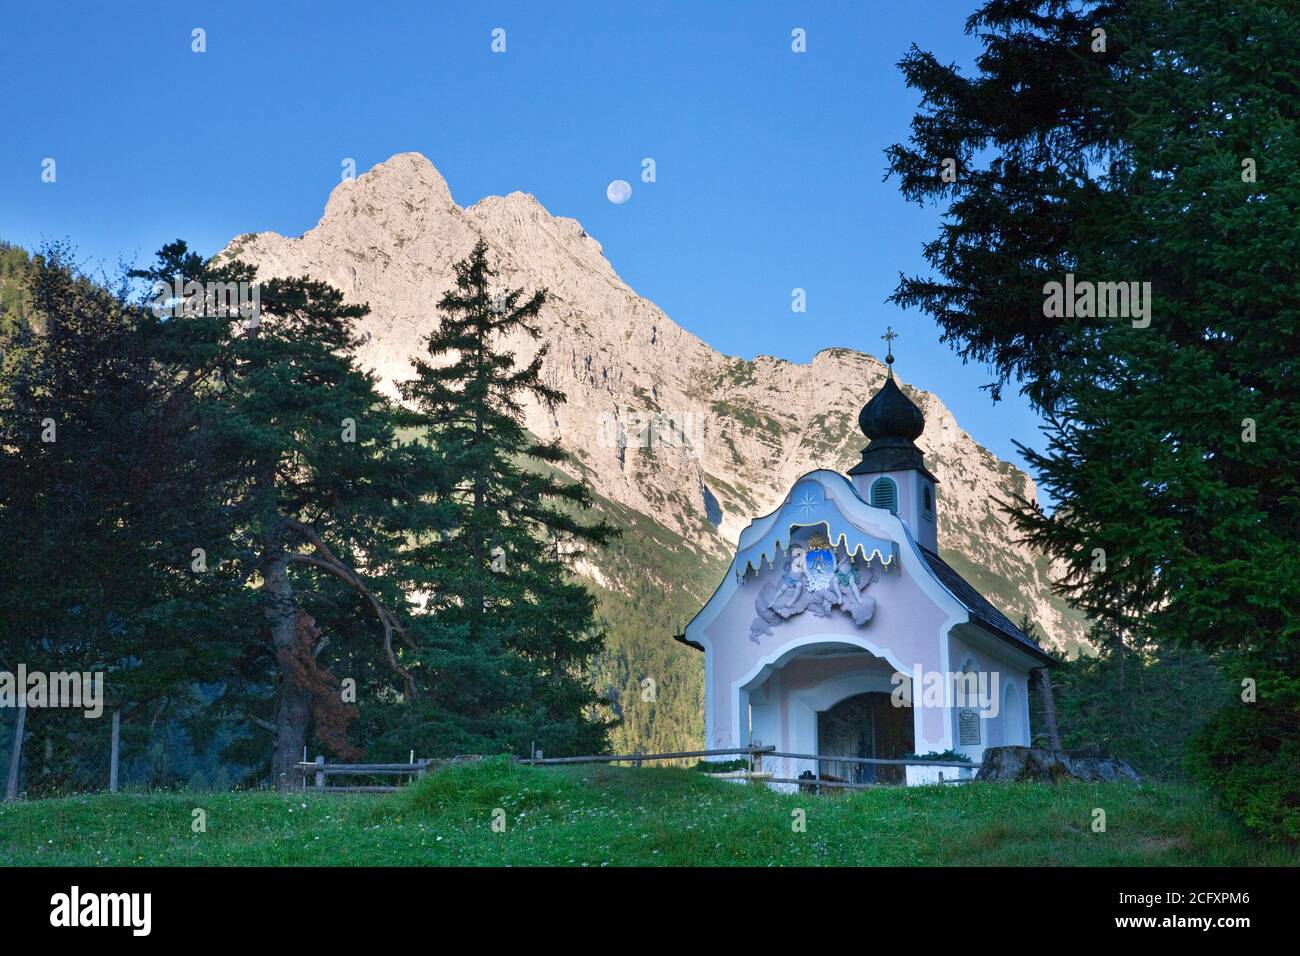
(408, 178)
(745, 430)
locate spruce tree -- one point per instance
(511, 634)
(1139, 141)
(321, 493)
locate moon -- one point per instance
(618, 192)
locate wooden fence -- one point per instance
(321, 771)
(756, 755)
(637, 758)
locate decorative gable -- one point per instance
(808, 506)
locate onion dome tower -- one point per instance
(892, 472)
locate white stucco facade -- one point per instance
(785, 646)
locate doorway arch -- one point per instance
(864, 725)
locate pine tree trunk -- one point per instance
(294, 709)
(1049, 708)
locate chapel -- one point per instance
(840, 631)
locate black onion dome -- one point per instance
(893, 423)
(891, 414)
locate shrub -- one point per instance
(1248, 754)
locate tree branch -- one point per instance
(326, 561)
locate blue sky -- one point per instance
(769, 163)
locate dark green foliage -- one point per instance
(100, 520)
(1250, 752)
(946, 755)
(320, 508)
(510, 634)
(15, 301)
(203, 527)
(321, 497)
(657, 581)
(1030, 134)
(1141, 706)
(105, 489)
(1130, 165)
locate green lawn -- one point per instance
(597, 816)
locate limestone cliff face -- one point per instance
(726, 437)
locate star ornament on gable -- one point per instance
(807, 504)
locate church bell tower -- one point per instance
(892, 472)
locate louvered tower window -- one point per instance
(884, 494)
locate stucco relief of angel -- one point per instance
(792, 583)
(790, 594)
(853, 591)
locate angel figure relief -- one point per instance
(814, 579)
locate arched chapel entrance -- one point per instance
(864, 725)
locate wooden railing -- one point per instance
(756, 755)
(322, 771)
(639, 757)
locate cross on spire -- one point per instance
(889, 337)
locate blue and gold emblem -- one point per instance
(819, 563)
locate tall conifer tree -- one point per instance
(512, 634)
(1132, 142)
(321, 492)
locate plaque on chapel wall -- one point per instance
(968, 727)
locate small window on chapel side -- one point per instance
(927, 499)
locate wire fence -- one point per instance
(64, 752)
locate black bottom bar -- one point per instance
(939, 906)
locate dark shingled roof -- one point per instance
(981, 611)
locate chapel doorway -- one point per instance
(865, 725)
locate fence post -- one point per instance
(16, 755)
(114, 750)
(320, 773)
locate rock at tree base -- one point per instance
(1050, 766)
